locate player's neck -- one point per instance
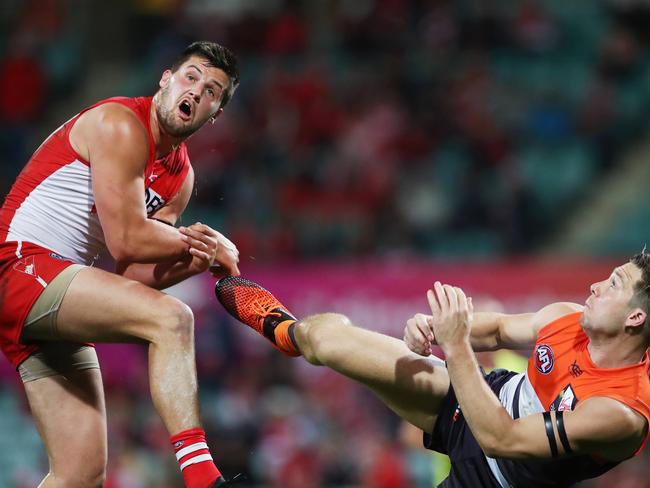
(616, 352)
(164, 142)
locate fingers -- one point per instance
(452, 298)
(423, 323)
(451, 320)
(207, 235)
(413, 339)
(447, 299)
(203, 229)
(200, 254)
(232, 254)
(209, 232)
(197, 239)
(438, 300)
(224, 241)
(198, 244)
(228, 259)
(207, 243)
(233, 269)
(462, 303)
(433, 302)
(418, 336)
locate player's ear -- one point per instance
(213, 119)
(636, 318)
(164, 79)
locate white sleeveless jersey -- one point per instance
(51, 204)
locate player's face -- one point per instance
(189, 97)
(608, 306)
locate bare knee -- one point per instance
(174, 322)
(319, 336)
(88, 475)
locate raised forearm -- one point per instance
(491, 331)
(488, 420)
(484, 334)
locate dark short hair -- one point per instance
(217, 56)
(641, 297)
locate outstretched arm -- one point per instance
(598, 426)
(490, 331)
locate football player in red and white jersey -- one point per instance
(116, 176)
(582, 406)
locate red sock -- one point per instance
(193, 455)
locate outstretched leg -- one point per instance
(410, 385)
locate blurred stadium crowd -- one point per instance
(363, 129)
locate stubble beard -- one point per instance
(167, 118)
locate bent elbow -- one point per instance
(121, 251)
(505, 449)
(123, 255)
(490, 448)
(498, 446)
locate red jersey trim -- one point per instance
(32, 177)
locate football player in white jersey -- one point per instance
(82, 191)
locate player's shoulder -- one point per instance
(554, 311)
(622, 420)
(110, 126)
(115, 116)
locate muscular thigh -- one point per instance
(104, 307)
(70, 415)
(411, 385)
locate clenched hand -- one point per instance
(211, 250)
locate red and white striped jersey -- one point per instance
(52, 204)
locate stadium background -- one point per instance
(372, 147)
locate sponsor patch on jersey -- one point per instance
(565, 401)
(152, 200)
(568, 400)
(544, 360)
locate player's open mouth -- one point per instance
(185, 109)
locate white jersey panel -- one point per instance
(58, 215)
(528, 404)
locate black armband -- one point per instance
(162, 221)
(559, 421)
(548, 425)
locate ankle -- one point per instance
(302, 334)
(194, 459)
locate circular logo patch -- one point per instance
(544, 360)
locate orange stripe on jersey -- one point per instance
(562, 373)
